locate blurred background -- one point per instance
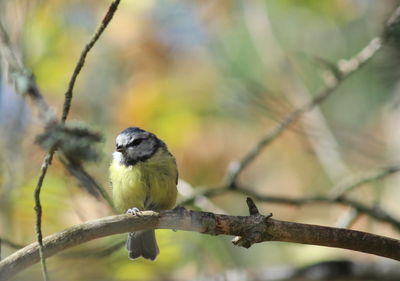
(210, 78)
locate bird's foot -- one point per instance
(179, 209)
(134, 211)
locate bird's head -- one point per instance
(133, 145)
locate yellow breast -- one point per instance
(145, 185)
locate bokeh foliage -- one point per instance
(210, 78)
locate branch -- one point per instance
(10, 243)
(373, 212)
(342, 188)
(66, 107)
(68, 95)
(331, 270)
(27, 85)
(348, 68)
(253, 229)
(86, 180)
(343, 70)
(38, 209)
(24, 80)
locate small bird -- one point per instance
(144, 176)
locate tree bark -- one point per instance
(249, 229)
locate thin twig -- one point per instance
(11, 244)
(348, 185)
(31, 88)
(26, 84)
(38, 209)
(347, 68)
(68, 95)
(66, 108)
(208, 193)
(344, 69)
(373, 212)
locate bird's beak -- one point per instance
(120, 148)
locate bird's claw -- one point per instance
(134, 211)
(179, 209)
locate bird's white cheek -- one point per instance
(117, 156)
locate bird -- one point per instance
(144, 176)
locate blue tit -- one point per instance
(144, 176)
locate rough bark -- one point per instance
(251, 229)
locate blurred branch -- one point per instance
(10, 243)
(26, 85)
(346, 186)
(315, 126)
(323, 143)
(251, 229)
(348, 219)
(24, 79)
(343, 70)
(331, 270)
(86, 180)
(201, 202)
(342, 188)
(66, 108)
(373, 212)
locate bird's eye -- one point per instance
(135, 142)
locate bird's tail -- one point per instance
(142, 244)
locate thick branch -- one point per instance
(258, 227)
